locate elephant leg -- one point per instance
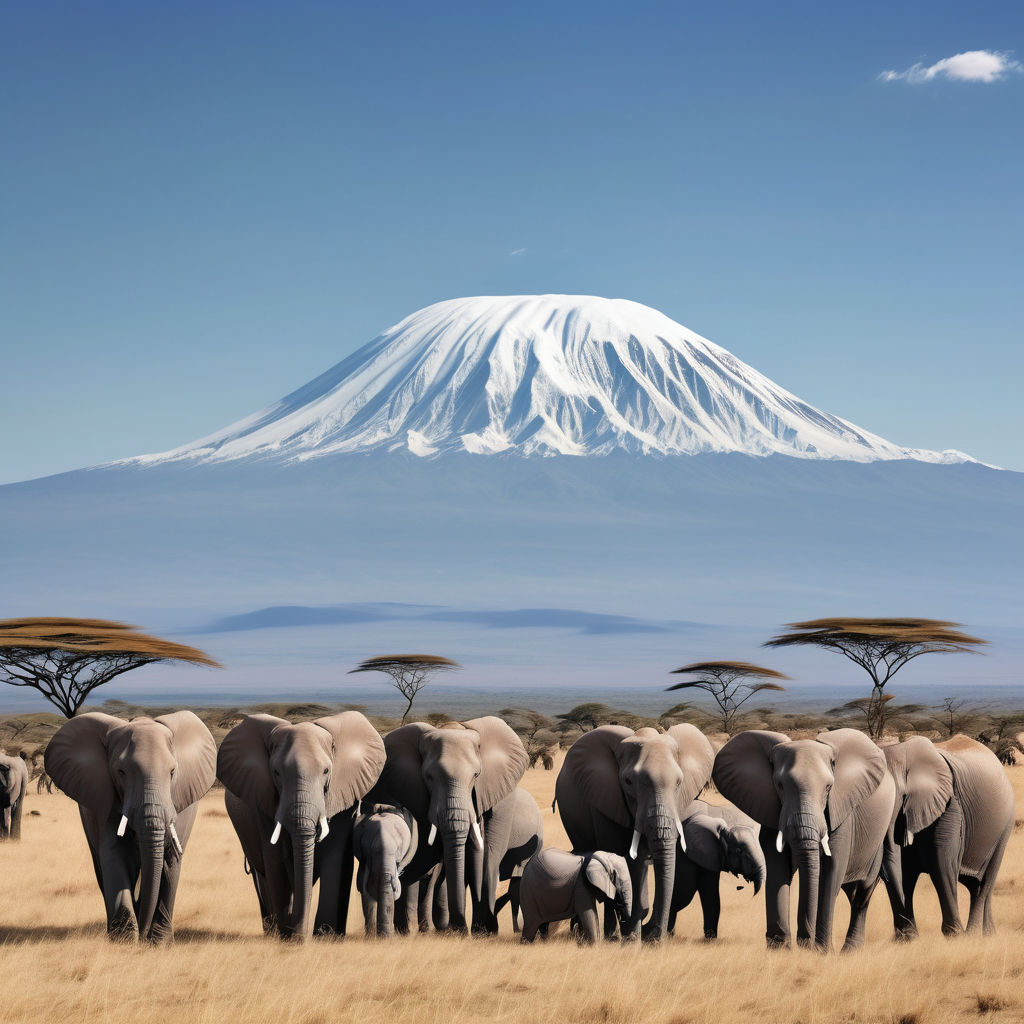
(5, 823)
(945, 886)
(513, 894)
(424, 897)
(893, 874)
(976, 911)
(162, 929)
(830, 882)
(589, 926)
(911, 874)
(404, 906)
(16, 819)
(119, 870)
(859, 895)
(266, 913)
(943, 864)
(611, 923)
(439, 911)
(710, 902)
(335, 861)
(279, 890)
(988, 884)
(530, 929)
(779, 870)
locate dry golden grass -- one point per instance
(59, 966)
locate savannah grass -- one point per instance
(59, 966)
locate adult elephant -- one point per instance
(824, 806)
(954, 815)
(292, 795)
(627, 792)
(137, 785)
(448, 777)
(13, 786)
(513, 832)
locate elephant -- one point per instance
(616, 784)
(557, 886)
(449, 777)
(824, 806)
(137, 784)
(954, 815)
(714, 846)
(13, 786)
(384, 839)
(292, 791)
(513, 832)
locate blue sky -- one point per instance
(206, 205)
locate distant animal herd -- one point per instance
(430, 819)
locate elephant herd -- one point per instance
(430, 813)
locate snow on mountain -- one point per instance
(542, 375)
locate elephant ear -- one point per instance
(704, 843)
(243, 762)
(414, 842)
(696, 758)
(196, 753)
(858, 772)
(359, 757)
(599, 877)
(592, 763)
(743, 774)
(401, 780)
(503, 761)
(925, 779)
(77, 761)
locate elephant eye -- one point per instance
(326, 770)
(122, 772)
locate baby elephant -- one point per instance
(384, 840)
(557, 886)
(714, 846)
(13, 785)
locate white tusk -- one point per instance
(174, 839)
(476, 835)
(910, 838)
(123, 825)
(682, 838)
(276, 834)
(432, 836)
(778, 842)
(634, 845)
(824, 845)
(324, 828)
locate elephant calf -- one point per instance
(384, 840)
(557, 886)
(714, 846)
(13, 785)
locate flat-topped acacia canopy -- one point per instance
(409, 672)
(65, 659)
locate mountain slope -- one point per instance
(542, 375)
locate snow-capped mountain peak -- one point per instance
(542, 375)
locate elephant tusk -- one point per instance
(276, 834)
(824, 845)
(123, 825)
(778, 842)
(479, 839)
(634, 845)
(324, 827)
(910, 838)
(682, 838)
(432, 836)
(175, 841)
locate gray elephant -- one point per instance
(513, 832)
(13, 786)
(954, 815)
(384, 839)
(627, 792)
(714, 846)
(557, 886)
(449, 777)
(137, 785)
(292, 791)
(824, 807)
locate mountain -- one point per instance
(542, 375)
(304, 539)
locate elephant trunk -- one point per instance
(662, 836)
(455, 878)
(369, 895)
(152, 849)
(808, 858)
(386, 907)
(302, 822)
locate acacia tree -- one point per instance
(66, 659)
(409, 672)
(730, 683)
(881, 647)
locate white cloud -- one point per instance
(517, 252)
(972, 66)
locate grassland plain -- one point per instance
(57, 964)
